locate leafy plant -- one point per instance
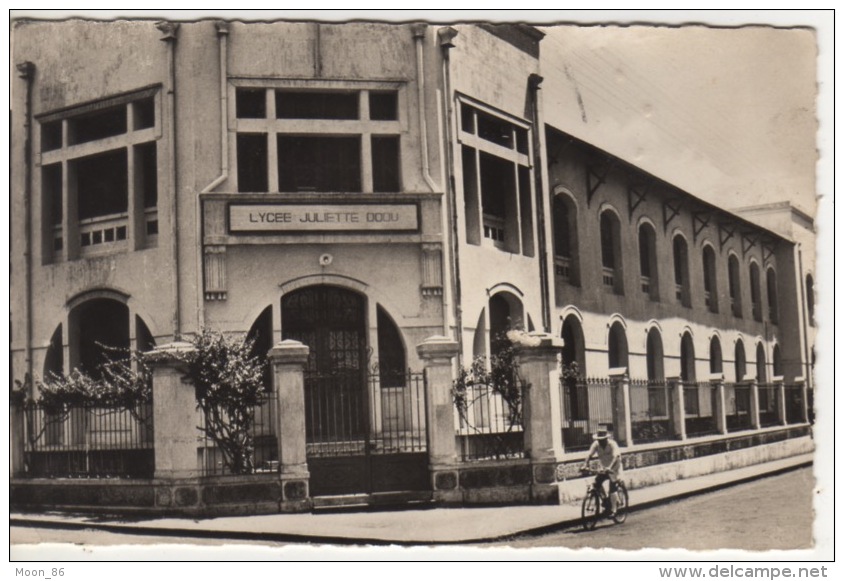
(228, 379)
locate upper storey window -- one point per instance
(99, 176)
(497, 179)
(318, 140)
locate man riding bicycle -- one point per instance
(607, 451)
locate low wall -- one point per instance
(521, 482)
(477, 483)
(657, 464)
(214, 496)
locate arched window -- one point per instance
(740, 361)
(261, 334)
(648, 270)
(710, 279)
(681, 271)
(773, 307)
(716, 361)
(617, 346)
(755, 292)
(687, 358)
(392, 365)
(99, 332)
(505, 313)
(611, 252)
(654, 356)
(566, 257)
(54, 360)
(777, 361)
(810, 298)
(735, 285)
(761, 365)
(576, 400)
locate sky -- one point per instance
(725, 114)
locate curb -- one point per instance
(350, 541)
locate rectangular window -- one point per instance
(251, 103)
(316, 105)
(97, 125)
(496, 181)
(385, 163)
(119, 136)
(102, 185)
(318, 140)
(251, 162)
(318, 164)
(383, 105)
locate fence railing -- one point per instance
(649, 411)
(768, 405)
(88, 441)
(398, 408)
(794, 407)
(587, 405)
(699, 404)
(212, 461)
(489, 426)
(738, 407)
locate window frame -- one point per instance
(485, 229)
(131, 230)
(272, 127)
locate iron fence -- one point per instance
(88, 441)
(769, 414)
(490, 426)
(263, 454)
(398, 410)
(738, 407)
(649, 411)
(587, 405)
(699, 404)
(795, 410)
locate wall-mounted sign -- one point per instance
(280, 218)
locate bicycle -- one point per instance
(596, 504)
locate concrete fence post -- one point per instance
(677, 419)
(174, 413)
(17, 441)
(720, 401)
(288, 359)
(755, 421)
(779, 390)
(437, 353)
(538, 356)
(622, 424)
(804, 397)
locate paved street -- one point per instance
(770, 513)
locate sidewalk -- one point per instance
(402, 527)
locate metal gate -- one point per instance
(364, 433)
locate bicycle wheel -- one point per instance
(621, 507)
(591, 510)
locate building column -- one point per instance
(677, 419)
(622, 423)
(288, 360)
(174, 413)
(538, 356)
(720, 407)
(779, 390)
(755, 422)
(436, 354)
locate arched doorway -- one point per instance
(355, 442)
(575, 393)
(331, 321)
(99, 332)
